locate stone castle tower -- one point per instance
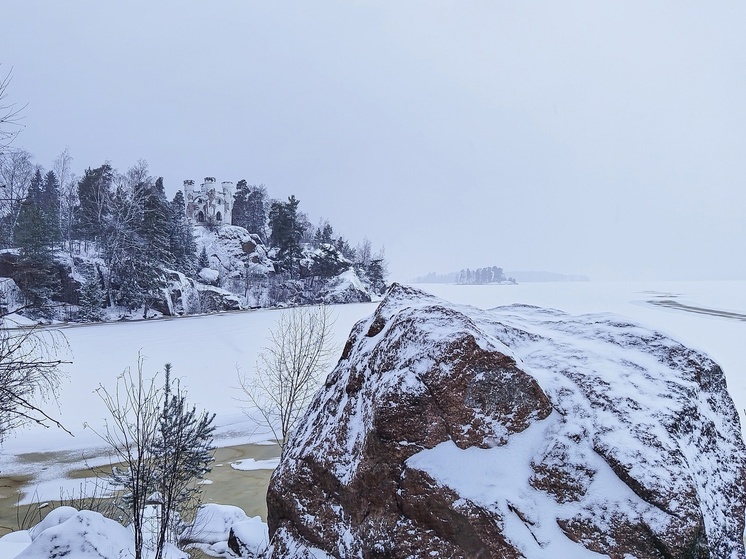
(209, 205)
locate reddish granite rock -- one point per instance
(449, 431)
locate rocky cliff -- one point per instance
(449, 431)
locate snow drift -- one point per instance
(451, 431)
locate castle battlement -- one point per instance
(210, 204)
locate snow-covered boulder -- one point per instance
(344, 288)
(209, 276)
(11, 298)
(249, 538)
(226, 531)
(212, 299)
(82, 535)
(450, 431)
(213, 523)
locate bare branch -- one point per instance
(287, 373)
(10, 114)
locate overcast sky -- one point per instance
(602, 138)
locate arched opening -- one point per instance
(218, 217)
(200, 217)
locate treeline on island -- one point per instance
(467, 276)
(110, 244)
(481, 276)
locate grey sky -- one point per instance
(605, 138)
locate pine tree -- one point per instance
(287, 232)
(327, 262)
(94, 191)
(324, 234)
(239, 214)
(376, 272)
(250, 208)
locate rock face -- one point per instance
(449, 431)
(185, 296)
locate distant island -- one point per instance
(494, 274)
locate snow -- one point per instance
(14, 543)
(616, 385)
(83, 535)
(208, 275)
(213, 523)
(250, 464)
(206, 350)
(253, 533)
(497, 478)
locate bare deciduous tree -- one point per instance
(30, 361)
(135, 407)
(68, 195)
(288, 370)
(166, 448)
(10, 114)
(16, 171)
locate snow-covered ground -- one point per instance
(206, 350)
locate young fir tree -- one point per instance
(203, 261)
(182, 453)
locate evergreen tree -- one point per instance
(287, 232)
(36, 273)
(250, 208)
(324, 234)
(239, 214)
(145, 241)
(155, 255)
(92, 296)
(156, 224)
(50, 202)
(181, 234)
(327, 262)
(182, 452)
(376, 273)
(93, 195)
(203, 261)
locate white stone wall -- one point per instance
(212, 203)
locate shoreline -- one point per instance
(224, 485)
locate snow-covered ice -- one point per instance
(250, 464)
(205, 352)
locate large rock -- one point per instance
(344, 288)
(448, 431)
(233, 252)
